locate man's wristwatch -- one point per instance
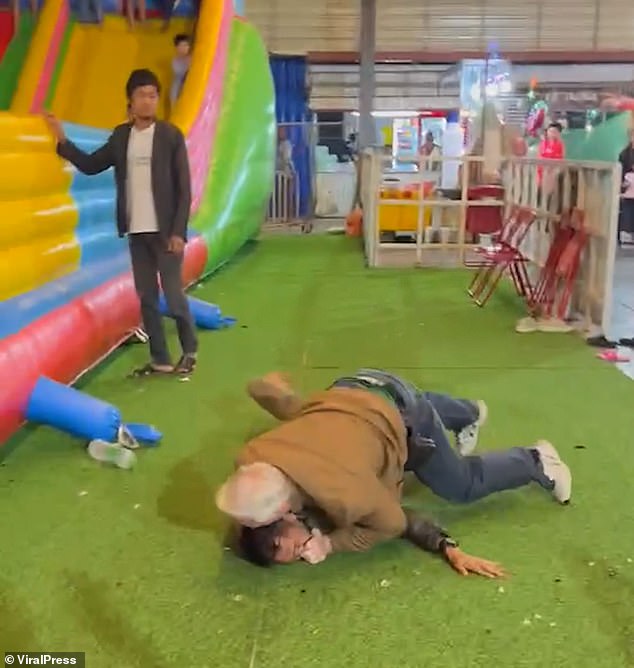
(445, 543)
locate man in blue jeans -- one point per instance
(452, 473)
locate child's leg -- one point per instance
(130, 6)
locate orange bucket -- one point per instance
(354, 223)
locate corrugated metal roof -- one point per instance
(296, 26)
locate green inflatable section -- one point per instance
(14, 58)
(603, 142)
(241, 169)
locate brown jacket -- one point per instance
(171, 185)
(346, 452)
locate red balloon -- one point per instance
(535, 122)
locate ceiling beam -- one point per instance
(433, 57)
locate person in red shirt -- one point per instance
(550, 148)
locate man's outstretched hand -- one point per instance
(55, 127)
(464, 564)
(317, 548)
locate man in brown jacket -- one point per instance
(345, 450)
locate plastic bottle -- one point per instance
(126, 438)
(112, 453)
(144, 433)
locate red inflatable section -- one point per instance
(6, 30)
(66, 342)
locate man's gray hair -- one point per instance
(254, 494)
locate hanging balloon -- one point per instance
(536, 118)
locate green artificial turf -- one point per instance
(129, 566)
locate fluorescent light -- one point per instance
(391, 114)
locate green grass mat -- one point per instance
(129, 566)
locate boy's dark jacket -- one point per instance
(171, 184)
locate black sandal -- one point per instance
(600, 342)
(186, 365)
(148, 370)
(628, 343)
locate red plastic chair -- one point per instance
(538, 300)
(500, 239)
(568, 268)
(506, 256)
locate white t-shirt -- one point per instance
(140, 199)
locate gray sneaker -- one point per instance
(555, 470)
(467, 439)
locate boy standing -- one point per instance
(153, 202)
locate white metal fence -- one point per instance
(319, 181)
(284, 203)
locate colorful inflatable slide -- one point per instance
(66, 293)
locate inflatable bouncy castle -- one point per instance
(66, 292)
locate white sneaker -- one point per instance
(112, 453)
(555, 470)
(467, 439)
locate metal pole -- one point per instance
(367, 48)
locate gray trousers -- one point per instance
(448, 474)
(150, 260)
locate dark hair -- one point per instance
(557, 126)
(259, 545)
(139, 78)
(181, 37)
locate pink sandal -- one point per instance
(612, 356)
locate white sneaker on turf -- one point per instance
(555, 470)
(112, 453)
(467, 439)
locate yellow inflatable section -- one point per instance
(39, 217)
(91, 87)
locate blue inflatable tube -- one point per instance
(72, 411)
(205, 315)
